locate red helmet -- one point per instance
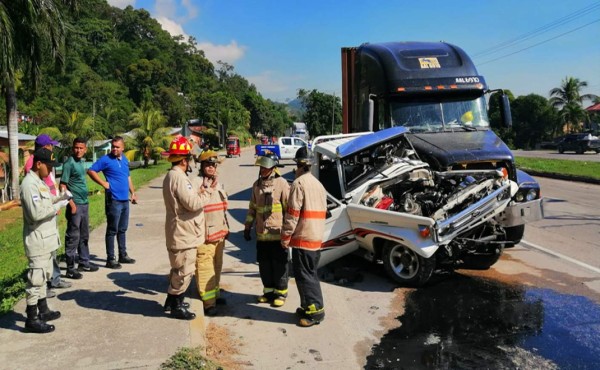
(178, 149)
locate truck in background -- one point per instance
(285, 148)
(300, 130)
(434, 90)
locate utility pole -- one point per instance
(93, 131)
(332, 112)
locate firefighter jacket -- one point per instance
(267, 207)
(40, 234)
(304, 222)
(184, 224)
(215, 212)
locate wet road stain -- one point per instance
(467, 322)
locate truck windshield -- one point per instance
(440, 115)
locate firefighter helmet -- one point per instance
(267, 161)
(209, 156)
(178, 149)
(303, 156)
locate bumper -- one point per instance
(521, 213)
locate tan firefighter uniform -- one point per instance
(184, 227)
(209, 262)
(303, 230)
(268, 204)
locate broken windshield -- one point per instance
(440, 115)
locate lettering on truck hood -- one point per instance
(456, 147)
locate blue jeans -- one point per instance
(117, 221)
(77, 236)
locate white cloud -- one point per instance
(275, 85)
(226, 53)
(121, 3)
(172, 27)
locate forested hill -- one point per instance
(121, 70)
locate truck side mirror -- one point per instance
(505, 111)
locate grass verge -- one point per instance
(560, 167)
(13, 263)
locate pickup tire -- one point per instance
(561, 150)
(514, 234)
(405, 266)
(481, 261)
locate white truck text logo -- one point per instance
(467, 80)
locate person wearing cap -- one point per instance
(302, 231)
(267, 206)
(209, 261)
(184, 226)
(45, 141)
(40, 238)
(118, 185)
(78, 231)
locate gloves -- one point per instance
(247, 236)
(63, 203)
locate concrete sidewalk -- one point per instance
(111, 319)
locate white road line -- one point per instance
(559, 255)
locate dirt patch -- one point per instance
(222, 347)
(10, 215)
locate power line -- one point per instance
(539, 43)
(538, 31)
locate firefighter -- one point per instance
(302, 231)
(184, 212)
(267, 206)
(209, 262)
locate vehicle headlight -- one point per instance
(519, 197)
(531, 195)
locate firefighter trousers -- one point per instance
(273, 267)
(182, 269)
(305, 263)
(209, 264)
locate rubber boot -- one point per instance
(33, 324)
(180, 312)
(45, 313)
(169, 302)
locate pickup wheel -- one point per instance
(514, 234)
(405, 266)
(580, 151)
(561, 150)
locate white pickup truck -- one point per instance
(285, 148)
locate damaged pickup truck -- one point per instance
(387, 204)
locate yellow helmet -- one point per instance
(209, 156)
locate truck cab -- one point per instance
(434, 90)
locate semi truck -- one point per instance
(434, 90)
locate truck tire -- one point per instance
(580, 150)
(561, 150)
(405, 266)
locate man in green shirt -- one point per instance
(77, 235)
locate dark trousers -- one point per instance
(117, 221)
(305, 264)
(77, 236)
(272, 264)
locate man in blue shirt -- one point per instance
(117, 185)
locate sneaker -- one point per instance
(73, 274)
(90, 268)
(113, 264)
(50, 293)
(126, 259)
(62, 285)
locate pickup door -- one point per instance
(288, 146)
(338, 239)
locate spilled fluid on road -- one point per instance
(467, 322)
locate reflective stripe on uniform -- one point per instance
(280, 292)
(268, 290)
(208, 295)
(319, 215)
(216, 236)
(215, 207)
(268, 237)
(307, 244)
(274, 208)
(312, 310)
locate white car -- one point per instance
(387, 204)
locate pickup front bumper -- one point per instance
(521, 213)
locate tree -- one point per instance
(150, 137)
(322, 112)
(568, 97)
(29, 30)
(534, 120)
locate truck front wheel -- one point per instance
(514, 235)
(405, 266)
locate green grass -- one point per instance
(13, 263)
(189, 358)
(560, 166)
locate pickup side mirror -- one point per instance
(505, 111)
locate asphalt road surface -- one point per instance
(553, 154)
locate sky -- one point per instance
(526, 46)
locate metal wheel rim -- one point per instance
(404, 262)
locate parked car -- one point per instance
(579, 143)
(285, 148)
(387, 204)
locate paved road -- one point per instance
(553, 154)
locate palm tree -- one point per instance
(29, 30)
(150, 137)
(568, 99)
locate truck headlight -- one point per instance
(519, 197)
(531, 195)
